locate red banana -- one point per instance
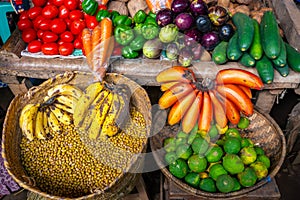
(180, 108)
(191, 116)
(237, 96)
(219, 112)
(247, 90)
(176, 73)
(232, 112)
(239, 77)
(166, 86)
(174, 94)
(206, 114)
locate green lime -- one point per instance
(245, 142)
(248, 155)
(260, 169)
(214, 154)
(265, 159)
(193, 134)
(184, 151)
(217, 170)
(208, 185)
(243, 123)
(248, 177)
(179, 168)
(259, 150)
(193, 179)
(169, 144)
(233, 164)
(232, 132)
(225, 183)
(170, 157)
(232, 145)
(181, 134)
(168, 141)
(179, 141)
(213, 132)
(197, 163)
(221, 141)
(200, 145)
(237, 185)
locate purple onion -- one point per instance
(184, 21)
(164, 17)
(198, 7)
(210, 40)
(179, 6)
(192, 37)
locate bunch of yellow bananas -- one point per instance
(37, 120)
(102, 109)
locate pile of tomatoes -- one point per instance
(53, 26)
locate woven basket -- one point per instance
(263, 131)
(12, 135)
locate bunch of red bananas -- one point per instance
(203, 101)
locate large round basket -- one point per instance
(12, 135)
(263, 131)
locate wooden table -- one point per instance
(143, 71)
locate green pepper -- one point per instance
(89, 6)
(150, 20)
(150, 31)
(122, 19)
(123, 34)
(128, 52)
(151, 14)
(137, 43)
(101, 14)
(138, 29)
(114, 14)
(139, 16)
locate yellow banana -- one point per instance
(65, 89)
(45, 123)
(101, 113)
(61, 115)
(90, 93)
(25, 109)
(67, 100)
(64, 107)
(39, 125)
(53, 122)
(124, 98)
(28, 121)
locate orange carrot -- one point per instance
(87, 44)
(156, 5)
(104, 2)
(96, 33)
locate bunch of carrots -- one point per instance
(98, 46)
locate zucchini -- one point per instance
(256, 50)
(283, 71)
(280, 61)
(245, 29)
(233, 49)
(247, 60)
(293, 57)
(265, 69)
(270, 37)
(219, 53)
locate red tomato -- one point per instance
(91, 21)
(58, 26)
(37, 21)
(28, 35)
(78, 42)
(39, 3)
(102, 7)
(50, 11)
(24, 23)
(75, 14)
(24, 15)
(34, 12)
(66, 49)
(40, 34)
(34, 46)
(45, 24)
(63, 12)
(68, 22)
(77, 26)
(71, 4)
(60, 42)
(50, 48)
(67, 36)
(58, 2)
(49, 36)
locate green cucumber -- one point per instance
(256, 50)
(293, 57)
(245, 29)
(219, 53)
(280, 61)
(265, 69)
(283, 71)
(270, 37)
(247, 60)
(233, 49)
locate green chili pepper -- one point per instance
(137, 43)
(101, 14)
(122, 19)
(114, 14)
(128, 52)
(150, 20)
(139, 16)
(150, 31)
(123, 34)
(89, 6)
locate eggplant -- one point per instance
(218, 15)
(198, 7)
(203, 23)
(184, 21)
(226, 31)
(192, 37)
(164, 17)
(180, 6)
(210, 40)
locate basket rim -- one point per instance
(200, 193)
